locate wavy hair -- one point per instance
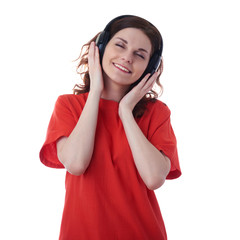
(128, 22)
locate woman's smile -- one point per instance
(122, 68)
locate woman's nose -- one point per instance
(127, 56)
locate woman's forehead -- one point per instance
(135, 37)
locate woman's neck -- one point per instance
(113, 91)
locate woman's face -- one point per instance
(126, 56)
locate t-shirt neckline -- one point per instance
(106, 103)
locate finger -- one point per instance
(150, 83)
(148, 87)
(91, 49)
(91, 53)
(151, 80)
(143, 81)
(97, 57)
(161, 66)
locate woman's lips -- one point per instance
(122, 68)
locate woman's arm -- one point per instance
(75, 151)
(152, 165)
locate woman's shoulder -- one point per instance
(72, 98)
(156, 113)
(157, 106)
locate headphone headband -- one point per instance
(115, 19)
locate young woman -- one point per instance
(114, 137)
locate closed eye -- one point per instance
(140, 55)
(119, 45)
(137, 53)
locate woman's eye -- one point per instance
(139, 55)
(119, 45)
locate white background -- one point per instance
(39, 40)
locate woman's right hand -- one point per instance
(95, 70)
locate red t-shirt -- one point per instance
(110, 200)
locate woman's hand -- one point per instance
(95, 70)
(130, 100)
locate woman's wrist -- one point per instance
(96, 94)
(124, 112)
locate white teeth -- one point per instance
(122, 68)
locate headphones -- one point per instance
(104, 37)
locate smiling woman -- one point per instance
(114, 138)
(153, 56)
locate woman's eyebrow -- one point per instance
(125, 41)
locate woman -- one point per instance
(114, 137)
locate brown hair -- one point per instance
(128, 22)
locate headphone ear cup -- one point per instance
(153, 63)
(152, 66)
(101, 42)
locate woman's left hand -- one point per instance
(129, 101)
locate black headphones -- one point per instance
(103, 39)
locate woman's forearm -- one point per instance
(75, 152)
(152, 165)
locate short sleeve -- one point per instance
(61, 124)
(163, 138)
